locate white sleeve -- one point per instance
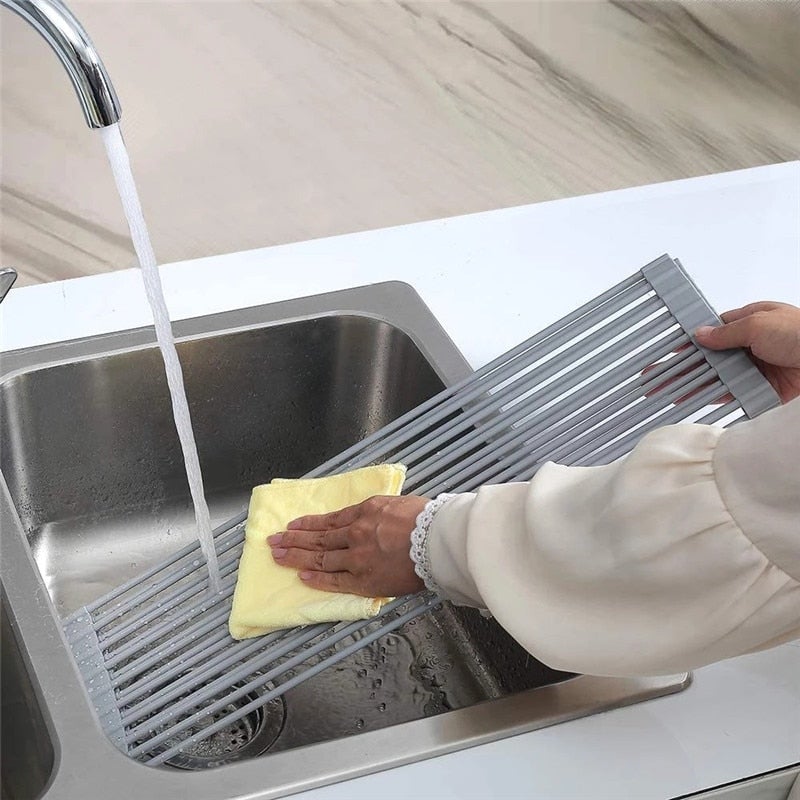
(684, 553)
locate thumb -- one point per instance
(726, 336)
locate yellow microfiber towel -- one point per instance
(269, 596)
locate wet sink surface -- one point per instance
(105, 497)
(92, 460)
(93, 469)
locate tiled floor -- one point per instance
(252, 123)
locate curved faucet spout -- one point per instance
(62, 31)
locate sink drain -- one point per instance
(248, 737)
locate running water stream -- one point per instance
(121, 167)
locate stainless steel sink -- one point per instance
(95, 493)
(92, 460)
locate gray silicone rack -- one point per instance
(155, 653)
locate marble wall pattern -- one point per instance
(254, 122)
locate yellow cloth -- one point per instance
(268, 596)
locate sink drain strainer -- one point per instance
(247, 737)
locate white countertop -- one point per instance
(492, 279)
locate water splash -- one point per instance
(123, 176)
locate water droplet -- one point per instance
(359, 724)
(382, 707)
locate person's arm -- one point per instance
(684, 553)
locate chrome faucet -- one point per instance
(7, 278)
(62, 31)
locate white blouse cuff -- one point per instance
(419, 541)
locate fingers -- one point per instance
(317, 560)
(651, 367)
(310, 540)
(321, 522)
(739, 328)
(750, 308)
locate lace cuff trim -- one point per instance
(419, 541)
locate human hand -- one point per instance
(362, 549)
(771, 332)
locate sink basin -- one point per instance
(92, 460)
(95, 493)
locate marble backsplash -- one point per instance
(254, 123)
